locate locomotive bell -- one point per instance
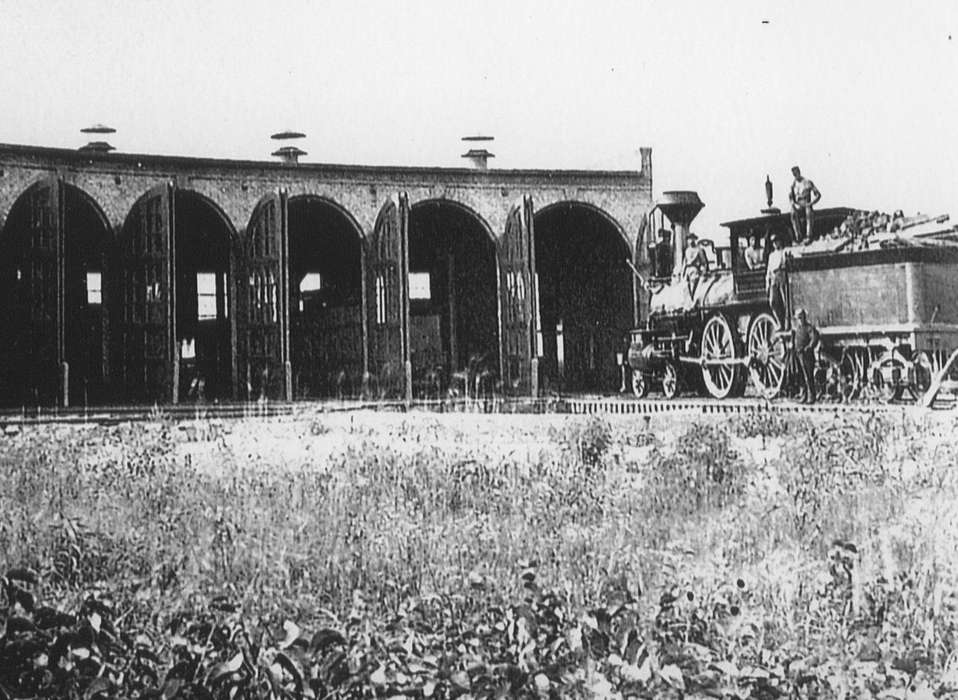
(681, 206)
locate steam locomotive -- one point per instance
(886, 308)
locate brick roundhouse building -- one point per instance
(143, 278)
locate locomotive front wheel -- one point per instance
(719, 342)
(670, 381)
(640, 384)
(766, 350)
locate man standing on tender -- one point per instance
(803, 196)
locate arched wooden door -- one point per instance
(264, 293)
(37, 303)
(517, 300)
(148, 354)
(388, 299)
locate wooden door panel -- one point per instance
(518, 299)
(262, 327)
(388, 299)
(148, 351)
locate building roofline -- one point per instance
(74, 156)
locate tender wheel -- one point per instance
(767, 354)
(640, 384)
(670, 381)
(828, 378)
(888, 391)
(719, 342)
(923, 369)
(851, 370)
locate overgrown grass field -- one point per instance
(460, 555)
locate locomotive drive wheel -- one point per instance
(719, 342)
(767, 353)
(640, 384)
(670, 381)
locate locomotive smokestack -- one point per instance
(681, 207)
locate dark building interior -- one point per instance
(585, 298)
(204, 300)
(29, 290)
(28, 299)
(325, 299)
(88, 259)
(453, 324)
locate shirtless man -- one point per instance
(803, 195)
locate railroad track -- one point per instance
(572, 404)
(727, 406)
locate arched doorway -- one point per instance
(177, 279)
(585, 297)
(205, 316)
(54, 294)
(453, 307)
(327, 322)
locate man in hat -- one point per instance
(806, 343)
(803, 195)
(662, 254)
(775, 279)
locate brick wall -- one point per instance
(116, 181)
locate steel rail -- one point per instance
(568, 404)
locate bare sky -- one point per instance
(863, 95)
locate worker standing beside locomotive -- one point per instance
(806, 343)
(775, 280)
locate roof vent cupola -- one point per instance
(97, 146)
(478, 155)
(289, 153)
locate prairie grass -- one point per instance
(821, 534)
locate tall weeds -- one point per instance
(821, 541)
